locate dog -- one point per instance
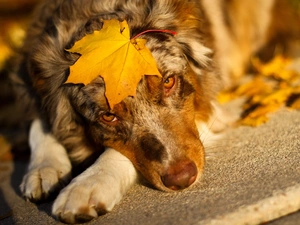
(155, 134)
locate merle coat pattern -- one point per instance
(156, 133)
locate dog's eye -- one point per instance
(109, 117)
(169, 83)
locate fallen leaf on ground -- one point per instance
(277, 68)
(6, 52)
(5, 150)
(274, 86)
(295, 104)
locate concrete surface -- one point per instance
(252, 176)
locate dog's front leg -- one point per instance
(49, 169)
(97, 190)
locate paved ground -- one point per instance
(252, 176)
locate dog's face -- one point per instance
(155, 129)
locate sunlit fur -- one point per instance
(157, 128)
(72, 111)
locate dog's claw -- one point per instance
(71, 218)
(74, 204)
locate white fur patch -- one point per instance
(207, 136)
(201, 53)
(211, 132)
(49, 167)
(96, 190)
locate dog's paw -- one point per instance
(97, 190)
(41, 182)
(86, 198)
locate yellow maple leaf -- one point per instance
(119, 60)
(296, 103)
(6, 52)
(276, 85)
(280, 96)
(294, 99)
(254, 121)
(278, 68)
(259, 115)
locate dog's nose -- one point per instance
(180, 175)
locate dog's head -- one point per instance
(156, 129)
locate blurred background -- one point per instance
(14, 17)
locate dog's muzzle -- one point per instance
(180, 175)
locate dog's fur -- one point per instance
(157, 131)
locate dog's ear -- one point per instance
(198, 55)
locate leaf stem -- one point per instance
(157, 31)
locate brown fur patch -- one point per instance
(156, 128)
